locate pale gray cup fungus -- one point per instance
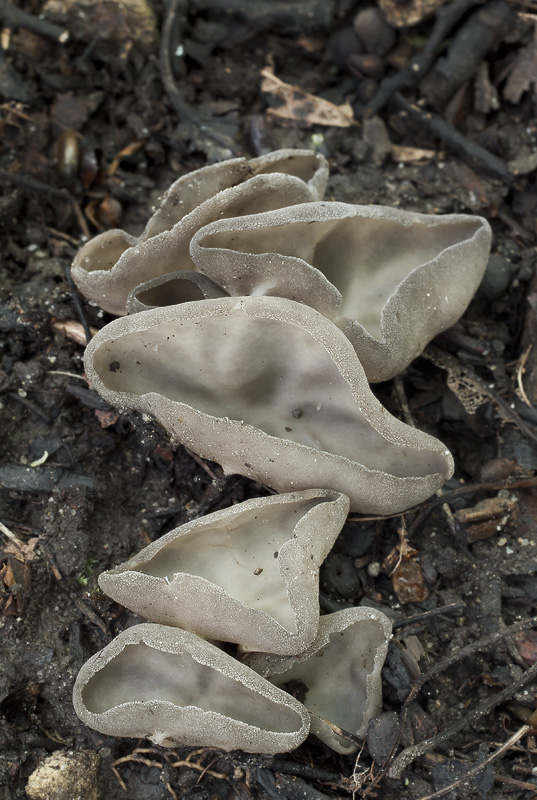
(112, 264)
(174, 688)
(270, 389)
(390, 279)
(338, 676)
(248, 574)
(254, 310)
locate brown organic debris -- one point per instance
(487, 518)
(410, 12)
(297, 105)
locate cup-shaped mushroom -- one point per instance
(270, 389)
(171, 289)
(338, 676)
(248, 574)
(108, 267)
(175, 688)
(390, 279)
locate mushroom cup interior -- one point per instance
(266, 373)
(141, 673)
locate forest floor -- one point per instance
(90, 139)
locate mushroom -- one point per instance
(390, 279)
(108, 267)
(168, 290)
(175, 688)
(338, 676)
(270, 389)
(248, 574)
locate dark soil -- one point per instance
(83, 488)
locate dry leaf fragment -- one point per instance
(400, 14)
(523, 74)
(408, 582)
(410, 155)
(404, 568)
(73, 330)
(300, 106)
(15, 574)
(106, 417)
(526, 642)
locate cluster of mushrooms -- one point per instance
(252, 317)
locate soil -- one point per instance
(84, 488)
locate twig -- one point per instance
(31, 407)
(425, 615)
(34, 185)
(520, 372)
(78, 305)
(181, 107)
(413, 752)
(477, 768)
(469, 649)
(16, 17)
(204, 465)
(80, 218)
(471, 488)
(11, 536)
(479, 34)
(446, 18)
(456, 141)
(304, 771)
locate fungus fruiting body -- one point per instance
(173, 687)
(339, 673)
(248, 574)
(270, 389)
(390, 279)
(111, 265)
(257, 317)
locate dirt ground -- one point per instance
(90, 139)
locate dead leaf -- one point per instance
(523, 73)
(106, 417)
(400, 14)
(73, 330)
(15, 575)
(408, 582)
(526, 642)
(411, 155)
(72, 111)
(24, 551)
(300, 106)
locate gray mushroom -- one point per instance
(248, 574)
(270, 389)
(175, 688)
(390, 279)
(171, 289)
(112, 264)
(338, 676)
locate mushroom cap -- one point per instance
(108, 267)
(390, 279)
(247, 574)
(344, 661)
(175, 688)
(270, 389)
